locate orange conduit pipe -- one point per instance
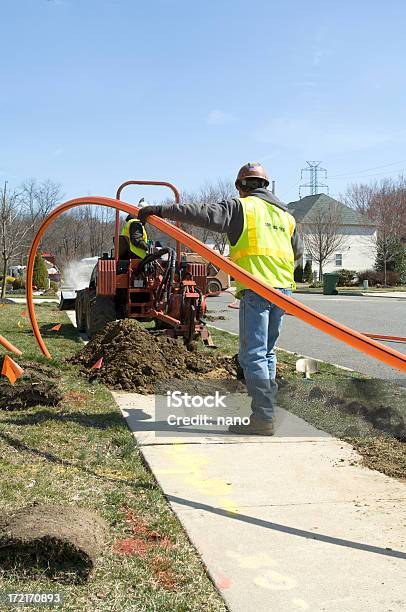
(388, 338)
(387, 355)
(9, 347)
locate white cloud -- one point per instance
(218, 117)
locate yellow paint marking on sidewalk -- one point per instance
(195, 475)
(256, 561)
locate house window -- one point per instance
(339, 259)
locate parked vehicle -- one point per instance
(217, 280)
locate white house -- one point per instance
(356, 251)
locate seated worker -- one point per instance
(135, 231)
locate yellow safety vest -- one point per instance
(141, 253)
(264, 248)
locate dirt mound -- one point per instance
(137, 359)
(60, 542)
(36, 386)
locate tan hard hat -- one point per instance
(252, 170)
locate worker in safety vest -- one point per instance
(264, 241)
(137, 236)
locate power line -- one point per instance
(293, 186)
(364, 176)
(358, 172)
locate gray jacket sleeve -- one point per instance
(225, 217)
(297, 246)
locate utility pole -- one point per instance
(313, 168)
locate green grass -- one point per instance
(81, 453)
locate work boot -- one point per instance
(256, 427)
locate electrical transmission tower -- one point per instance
(313, 184)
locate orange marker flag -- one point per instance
(98, 364)
(56, 327)
(11, 369)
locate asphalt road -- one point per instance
(363, 313)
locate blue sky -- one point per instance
(94, 92)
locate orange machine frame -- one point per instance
(118, 197)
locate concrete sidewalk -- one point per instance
(290, 522)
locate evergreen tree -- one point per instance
(400, 265)
(308, 273)
(299, 274)
(387, 254)
(40, 273)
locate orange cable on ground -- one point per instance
(353, 338)
(389, 338)
(9, 347)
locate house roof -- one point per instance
(301, 209)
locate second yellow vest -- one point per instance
(126, 232)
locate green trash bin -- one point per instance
(330, 280)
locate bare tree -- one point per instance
(359, 197)
(322, 234)
(98, 224)
(210, 193)
(14, 231)
(387, 210)
(39, 199)
(66, 239)
(384, 204)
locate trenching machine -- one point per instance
(163, 287)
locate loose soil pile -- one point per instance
(60, 542)
(136, 359)
(36, 386)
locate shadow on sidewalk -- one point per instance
(289, 530)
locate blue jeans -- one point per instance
(260, 323)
